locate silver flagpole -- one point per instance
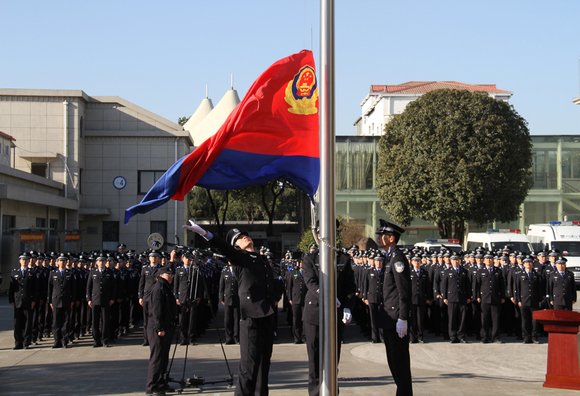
(327, 277)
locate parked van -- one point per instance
(495, 239)
(435, 245)
(561, 235)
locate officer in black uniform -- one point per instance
(396, 309)
(228, 293)
(187, 281)
(161, 328)
(421, 292)
(257, 303)
(101, 292)
(146, 282)
(61, 298)
(456, 289)
(490, 292)
(562, 287)
(296, 292)
(373, 294)
(528, 295)
(23, 295)
(346, 289)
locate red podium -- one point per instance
(562, 326)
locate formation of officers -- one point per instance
(105, 294)
(478, 293)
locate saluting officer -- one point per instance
(257, 304)
(23, 295)
(396, 309)
(296, 291)
(228, 293)
(61, 298)
(101, 292)
(562, 287)
(528, 295)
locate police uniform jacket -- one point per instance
(43, 275)
(163, 308)
(513, 274)
(346, 287)
(489, 286)
(374, 286)
(23, 289)
(528, 289)
(456, 287)
(61, 288)
(296, 287)
(148, 275)
(256, 286)
(182, 284)
(562, 289)
(397, 293)
(229, 288)
(435, 272)
(421, 286)
(101, 287)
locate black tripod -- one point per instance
(194, 282)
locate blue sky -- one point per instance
(161, 55)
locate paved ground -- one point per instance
(438, 367)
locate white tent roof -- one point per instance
(204, 109)
(210, 124)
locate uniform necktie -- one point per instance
(457, 271)
(562, 273)
(529, 274)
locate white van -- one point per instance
(435, 245)
(561, 235)
(495, 239)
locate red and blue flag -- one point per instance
(272, 133)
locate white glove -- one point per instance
(346, 316)
(401, 328)
(195, 228)
(337, 303)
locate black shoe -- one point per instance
(97, 345)
(18, 347)
(184, 343)
(26, 346)
(484, 341)
(232, 342)
(145, 344)
(455, 341)
(57, 346)
(376, 342)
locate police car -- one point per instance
(494, 239)
(435, 245)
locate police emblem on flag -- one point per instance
(302, 92)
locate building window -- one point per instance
(54, 226)
(8, 222)
(38, 169)
(147, 179)
(160, 227)
(40, 222)
(7, 149)
(110, 235)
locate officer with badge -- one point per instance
(23, 295)
(257, 303)
(562, 287)
(228, 293)
(296, 291)
(101, 293)
(61, 298)
(528, 295)
(146, 282)
(396, 309)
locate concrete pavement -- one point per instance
(438, 368)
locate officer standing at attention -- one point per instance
(61, 298)
(162, 320)
(296, 292)
(257, 302)
(22, 295)
(148, 277)
(101, 292)
(561, 287)
(396, 308)
(228, 292)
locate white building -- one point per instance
(385, 101)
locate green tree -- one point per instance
(454, 156)
(207, 204)
(182, 120)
